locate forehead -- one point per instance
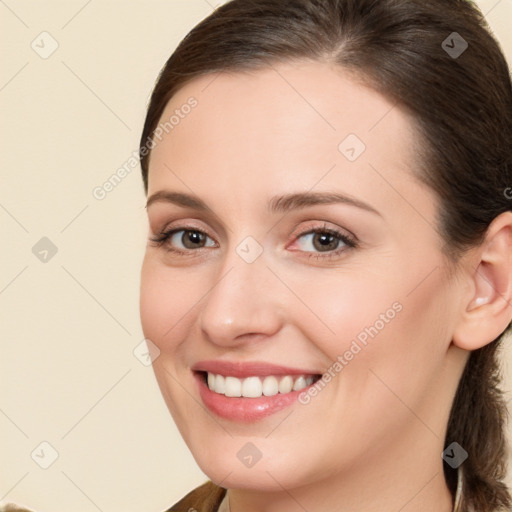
(289, 123)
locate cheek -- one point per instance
(167, 300)
(377, 323)
(352, 306)
(392, 345)
(404, 356)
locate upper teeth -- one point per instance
(254, 387)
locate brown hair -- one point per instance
(462, 104)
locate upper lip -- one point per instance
(247, 369)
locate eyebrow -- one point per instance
(277, 204)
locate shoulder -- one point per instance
(205, 498)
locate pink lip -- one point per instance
(244, 410)
(252, 369)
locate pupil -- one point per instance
(193, 238)
(325, 240)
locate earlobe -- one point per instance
(487, 313)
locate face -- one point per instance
(289, 239)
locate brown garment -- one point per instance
(205, 498)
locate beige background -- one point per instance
(68, 375)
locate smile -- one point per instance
(256, 387)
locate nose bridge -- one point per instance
(240, 300)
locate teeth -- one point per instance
(252, 387)
(220, 384)
(286, 384)
(270, 386)
(233, 387)
(255, 387)
(299, 384)
(211, 380)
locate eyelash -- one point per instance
(350, 243)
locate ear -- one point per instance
(487, 307)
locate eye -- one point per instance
(324, 242)
(182, 240)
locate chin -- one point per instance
(239, 463)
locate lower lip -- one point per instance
(244, 410)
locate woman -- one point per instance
(328, 275)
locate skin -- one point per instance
(372, 438)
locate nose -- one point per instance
(242, 305)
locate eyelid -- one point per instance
(162, 236)
(349, 242)
(173, 227)
(324, 226)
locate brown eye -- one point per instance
(322, 241)
(191, 239)
(182, 240)
(188, 239)
(325, 241)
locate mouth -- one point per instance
(256, 386)
(250, 392)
